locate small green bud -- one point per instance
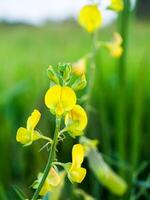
(67, 72)
(52, 75)
(64, 70)
(80, 83)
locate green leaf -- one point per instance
(2, 193)
(19, 192)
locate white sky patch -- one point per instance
(37, 11)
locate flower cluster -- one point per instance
(90, 18)
(61, 100)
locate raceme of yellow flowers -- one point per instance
(61, 101)
(90, 18)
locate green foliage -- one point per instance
(25, 54)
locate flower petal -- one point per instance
(77, 156)
(52, 181)
(90, 18)
(117, 5)
(23, 135)
(60, 99)
(79, 67)
(77, 175)
(52, 97)
(33, 120)
(76, 120)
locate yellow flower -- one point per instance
(117, 5)
(51, 182)
(77, 173)
(90, 18)
(79, 67)
(115, 46)
(76, 120)
(27, 135)
(60, 99)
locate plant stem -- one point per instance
(136, 130)
(121, 110)
(51, 158)
(92, 74)
(91, 81)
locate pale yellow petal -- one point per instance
(52, 181)
(36, 135)
(79, 67)
(53, 177)
(117, 38)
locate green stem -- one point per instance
(51, 158)
(89, 91)
(92, 73)
(136, 130)
(121, 110)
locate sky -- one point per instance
(37, 11)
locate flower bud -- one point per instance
(79, 67)
(80, 83)
(67, 72)
(52, 75)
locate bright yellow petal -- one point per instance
(90, 18)
(52, 97)
(45, 189)
(23, 136)
(33, 120)
(77, 175)
(117, 5)
(60, 99)
(77, 155)
(76, 120)
(68, 98)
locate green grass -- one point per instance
(26, 52)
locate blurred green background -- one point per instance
(26, 52)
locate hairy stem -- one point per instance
(51, 158)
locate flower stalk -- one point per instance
(92, 72)
(51, 158)
(121, 110)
